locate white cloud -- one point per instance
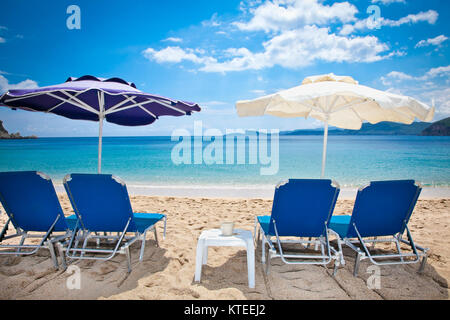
(174, 55)
(441, 99)
(430, 74)
(437, 72)
(431, 85)
(387, 2)
(429, 16)
(433, 41)
(292, 14)
(297, 34)
(258, 92)
(2, 40)
(290, 49)
(173, 39)
(212, 22)
(26, 84)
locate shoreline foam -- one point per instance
(245, 192)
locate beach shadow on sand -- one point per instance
(299, 282)
(33, 277)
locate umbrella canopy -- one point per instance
(338, 101)
(91, 98)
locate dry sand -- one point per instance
(167, 271)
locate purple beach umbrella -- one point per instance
(96, 99)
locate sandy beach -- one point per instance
(167, 271)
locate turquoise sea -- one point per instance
(351, 160)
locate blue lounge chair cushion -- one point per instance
(340, 225)
(102, 204)
(264, 222)
(381, 209)
(143, 221)
(30, 199)
(301, 207)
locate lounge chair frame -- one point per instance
(81, 235)
(47, 240)
(75, 251)
(328, 253)
(417, 253)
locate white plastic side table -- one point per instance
(214, 237)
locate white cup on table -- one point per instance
(227, 228)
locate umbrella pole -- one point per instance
(101, 101)
(324, 152)
(100, 133)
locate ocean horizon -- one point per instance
(145, 163)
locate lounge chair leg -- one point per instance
(308, 244)
(21, 243)
(322, 250)
(422, 264)
(127, 252)
(52, 254)
(316, 245)
(141, 255)
(156, 236)
(165, 225)
(357, 261)
(336, 267)
(263, 249)
(268, 261)
(85, 244)
(341, 253)
(62, 255)
(254, 231)
(397, 244)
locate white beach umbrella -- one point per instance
(338, 101)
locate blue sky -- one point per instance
(216, 52)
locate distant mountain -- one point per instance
(439, 128)
(4, 134)
(383, 128)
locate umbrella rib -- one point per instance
(334, 102)
(350, 104)
(313, 107)
(86, 106)
(173, 108)
(141, 107)
(151, 114)
(114, 107)
(61, 103)
(135, 104)
(22, 97)
(78, 103)
(146, 102)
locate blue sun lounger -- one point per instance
(301, 209)
(382, 209)
(103, 207)
(33, 209)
